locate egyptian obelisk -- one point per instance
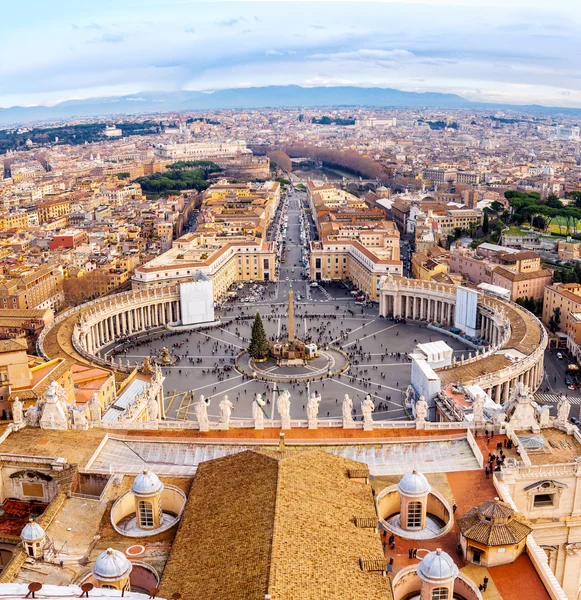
(291, 315)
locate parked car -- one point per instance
(559, 355)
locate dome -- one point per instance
(111, 565)
(32, 532)
(414, 484)
(437, 567)
(146, 484)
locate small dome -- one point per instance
(437, 567)
(414, 484)
(111, 565)
(146, 484)
(32, 532)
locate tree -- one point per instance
(555, 320)
(485, 225)
(258, 348)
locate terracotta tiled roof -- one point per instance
(275, 523)
(493, 523)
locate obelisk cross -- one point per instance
(291, 315)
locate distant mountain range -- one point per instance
(255, 97)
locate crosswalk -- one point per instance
(554, 398)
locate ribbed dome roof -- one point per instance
(414, 484)
(437, 567)
(495, 509)
(146, 484)
(32, 532)
(112, 565)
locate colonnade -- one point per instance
(418, 306)
(128, 322)
(432, 302)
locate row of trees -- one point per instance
(531, 208)
(281, 159)
(350, 160)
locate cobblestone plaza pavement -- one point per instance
(327, 313)
(373, 343)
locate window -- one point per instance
(414, 515)
(440, 593)
(145, 514)
(543, 500)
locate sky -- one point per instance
(516, 51)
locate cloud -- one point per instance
(189, 30)
(229, 22)
(367, 54)
(108, 38)
(95, 27)
(272, 52)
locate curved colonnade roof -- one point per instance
(525, 336)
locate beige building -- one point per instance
(564, 296)
(35, 288)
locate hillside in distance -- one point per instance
(251, 97)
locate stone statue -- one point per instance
(348, 412)
(478, 409)
(563, 409)
(201, 410)
(147, 369)
(421, 410)
(152, 409)
(17, 414)
(367, 408)
(32, 416)
(95, 408)
(225, 411)
(258, 411)
(544, 414)
(283, 407)
(79, 419)
(313, 410)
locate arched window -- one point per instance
(441, 593)
(414, 515)
(145, 514)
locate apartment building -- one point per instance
(53, 209)
(32, 287)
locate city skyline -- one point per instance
(520, 53)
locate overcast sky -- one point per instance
(520, 51)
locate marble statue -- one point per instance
(348, 412)
(283, 407)
(152, 409)
(367, 408)
(201, 410)
(95, 408)
(17, 414)
(478, 409)
(79, 419)
(313, 410)
(146, 368)
(421, 410)
(258, 411)
(563, 409)
(544, 416)
(32, 416)
(225, 412)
